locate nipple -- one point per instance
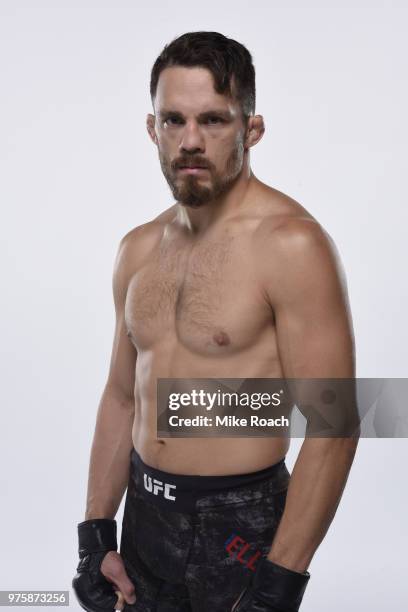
(221, 338)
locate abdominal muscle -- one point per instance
(209, 456)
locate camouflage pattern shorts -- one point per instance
(191, 543)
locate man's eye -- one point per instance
(214, 120)
(173, 120)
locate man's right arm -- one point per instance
(101, 581)
(112, 441)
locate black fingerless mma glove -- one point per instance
(273, 589)
(94, 593)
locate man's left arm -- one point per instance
(307, 292)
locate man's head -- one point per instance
(203, 93)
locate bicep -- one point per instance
(309, 297)
(121, 377)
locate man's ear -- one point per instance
(150, 124)
(255, 130)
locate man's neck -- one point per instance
(199, 220)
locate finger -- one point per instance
(126, 588)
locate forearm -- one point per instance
(314, 492)
(110, 454)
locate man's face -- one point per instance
(200, 135)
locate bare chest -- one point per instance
(208, 298)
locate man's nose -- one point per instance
(192, 140)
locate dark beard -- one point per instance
(189, 192)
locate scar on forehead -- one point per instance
(221, 338)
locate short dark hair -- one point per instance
(229, 62)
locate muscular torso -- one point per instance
(196, 308)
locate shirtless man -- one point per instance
(235, 280)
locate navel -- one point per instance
(221, 338)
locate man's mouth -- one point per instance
(192, 169)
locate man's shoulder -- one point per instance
(144, 237)
(284, 218)
(140, 242)
(289, 231)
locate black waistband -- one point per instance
(180, 491)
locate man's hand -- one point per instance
(273, 589)
(113, 568)
(101, 583)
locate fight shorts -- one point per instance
(191, 543)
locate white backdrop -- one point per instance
(78, 172)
